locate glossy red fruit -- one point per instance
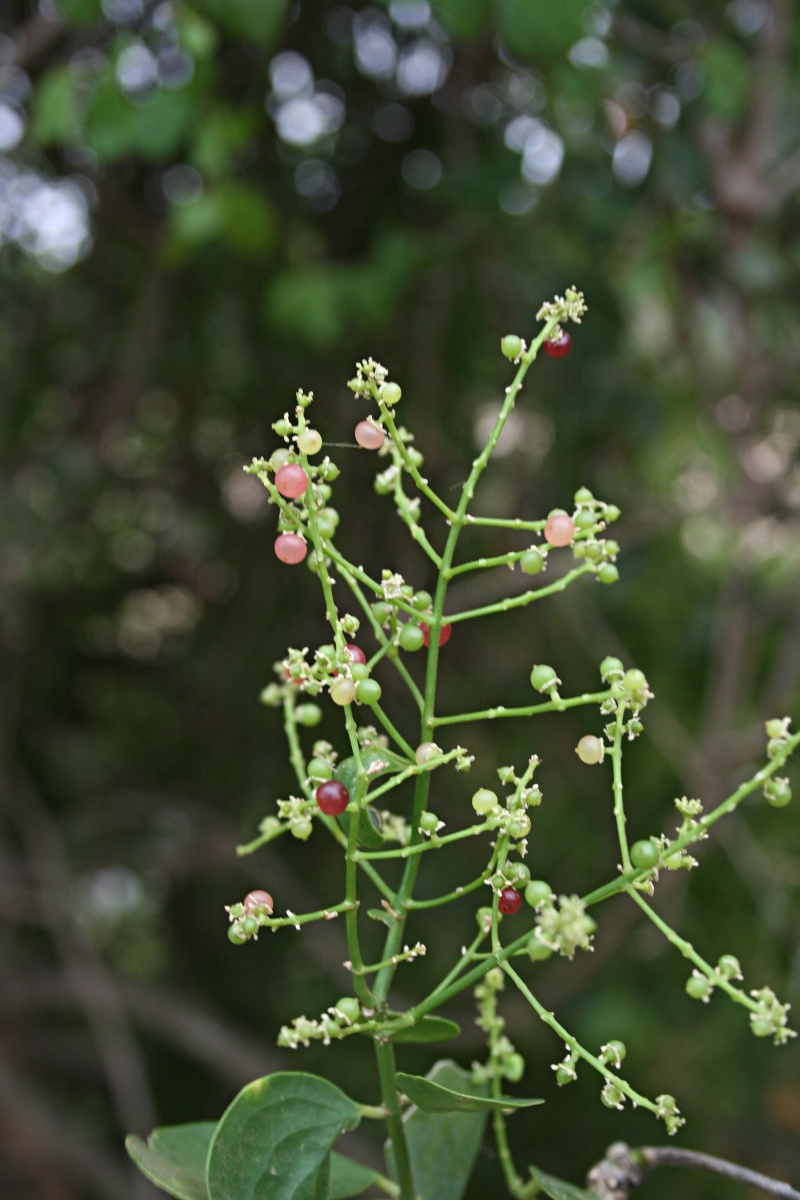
(444, 634)
(332, 797)
(559, 346)
(510, 900)
(291, 481)
(369, 436)
(258, 899)
(357, 655)
(559, 530)
(290, 548)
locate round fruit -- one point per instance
(280, 457)
(616, 1051)
(778, 792)
(355, 653)
(422, 601)
(517, 873)
(608, 573)
(584, 520)
(542, 677)
(236, 934)
(590, 750)
(428, 822)
(698, 987)
(359, 671)
(349, 1008)
(290, 548)
(369, 435)
(291, 481)
(537, 892)
(444, 634)
(510, 900)
(332, 797)
(343, 691)
(381, 611)
(411, 638)
(514, 1068)
(635, 682)
(256, 900)
(537, 951)
(611, 1096)
(532, 562)
(249, 926)
(729, 967)
(559, 529)
(318, 768)
(611, 668)
(511, 345)
(611, 513)
(282, 427)
(368, 691)
(308, 715)
(644, 855)
(761, 1026)
(775, 728)
(563, 1076)
(309, 442)
(520, 827)
(390, 393)
(558, 347)
(425, 752)
(484, 801)
(583, 496)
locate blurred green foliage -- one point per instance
(206, 205)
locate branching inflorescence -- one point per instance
(357, 796)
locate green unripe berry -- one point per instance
(282, 427)
(611, 513)
(611, 668)
(422, 601)
(635, 682)
(406, 591)
(537, 892)
(537, 951)
(778, 792)
(698, 987)
(583, 496)
(517, 874)
(349, 1008)
(319, 769)
(484, 801)
(520, 827)
(563, 1077)
(382, 612)
(608, 573)
(615, 1052)
(611, 1096)
(249, 926)
(667, 1103)
(729, 967)
(511, 345)
(368, 691)
(236, 934)
(761, 1026)
(592, 550)
(585, 519)
(280, 457)
(359, 670)
(532, 562)
(674, 861)
(543, 677)
(484, 918)
(390, 393)
(428, 822)
(514, 1068)
(329, 471)
(612, 548)
(775, 729)
(301, 830)
(308, 715)
(644, 855)
(411, 638)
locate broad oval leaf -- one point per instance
(560, 1189)
(274, 1140)
(369, 822)
(435, 1098)
(174, 1158)
(443, 1146)
(349, 1177)
(429, 1029)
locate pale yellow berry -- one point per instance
(590, 750)
(309, 442)
(343, 691)
(425, 752)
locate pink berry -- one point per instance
(369, 436)
(291, 481)
(444, 634)
(559, 346)
(559, 530)
(510, 900)
(332, 797)
(258, 899)
(356, 653)
(290, 548)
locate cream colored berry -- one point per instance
(343, 691)
(425, 752)
(590, 750)
(309, 442)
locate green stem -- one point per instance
(393, 733)
(409, 772)
(417, 848)
(322, 914)
(384, 1053)
(481, 564)
(422, 484)
(520, 601)
(381, 636)
(506, 523)
(531, 710)
(457, 893)
(619, 810)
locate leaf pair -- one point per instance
(274, 1142)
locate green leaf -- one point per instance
(464, 18)
(539, 29)
(115, 127)
(349, 1177)
(428, 1029)
(259, 21)
(559, 1189)
(55, 112)
(443, 1146)
(369, 821)
(433, 1097)
(174, 1158)
(274, 1140)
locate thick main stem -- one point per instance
(384, 1053)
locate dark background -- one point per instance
(175, 260)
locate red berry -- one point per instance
(510, 900)
(332, 797)
(559, 346)
(559, 530)
(290, 548)
(356, 653)
(291, 481)
(369, 435)
(444, 634)
(258, 899)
